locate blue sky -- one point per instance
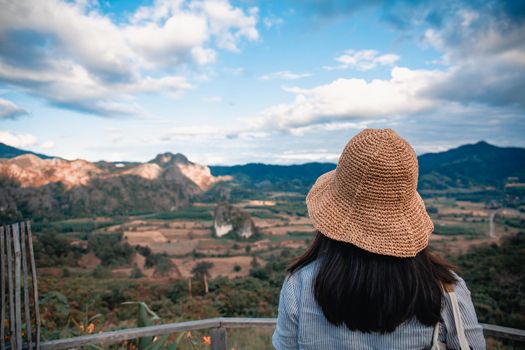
(229, 82)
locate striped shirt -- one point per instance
(302, 325)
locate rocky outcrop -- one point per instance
(199, 174)
(30, 171)
(233, 221)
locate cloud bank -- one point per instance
(9, 110)
(76, 57)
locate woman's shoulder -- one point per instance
(460, 286)
(303, 274)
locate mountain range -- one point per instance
(473, 165)
(56, 188)
(35, 185)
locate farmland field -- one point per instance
(159, 256)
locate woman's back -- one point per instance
(369, 280)
(302, 324)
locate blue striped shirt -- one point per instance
(301, 323)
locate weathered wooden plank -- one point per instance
(501, 332)
(18, 275)
(35, 284)
(242, 322)
(218, 338)
(2, 286)
(10, 282)
(131, 333)
(216, 323)
(27, 301)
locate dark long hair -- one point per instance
(375, 293)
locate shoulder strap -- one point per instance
(460, 331)
(436, 344)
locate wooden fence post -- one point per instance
(16, 258)
(27, 302)
(18, 299)
(10, 282)
(2, 286)
(218, 338)
(35, 284)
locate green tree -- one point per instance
(202, 270)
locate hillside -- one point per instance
(464, 167)
(56, 188)
(479, 164)
(275, 177)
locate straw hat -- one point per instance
(371, 198)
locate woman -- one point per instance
(369, 281)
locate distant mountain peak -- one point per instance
(484, 144)
(168, 159)
(480, 146)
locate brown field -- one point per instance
(457, 245)
(144, 238)
(257, 203)
(180, 233)
(263, 223)
(282, 230)
(187, 242)
(221, 266)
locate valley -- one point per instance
(193, 241)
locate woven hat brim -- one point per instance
(401, 230)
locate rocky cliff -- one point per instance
(31, 186)
(230, 220)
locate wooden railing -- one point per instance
(218, 334)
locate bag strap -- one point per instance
(460, 330)
(435, 337)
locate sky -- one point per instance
(231, 82)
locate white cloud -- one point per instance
(486, 56)
(354, 100)
(284, 75)
(17, 140)
(484, 72)
(24, 140)
(302, 157)
(47, 145)
(244, 131)
(9, 110)
(363, 60)
(270, 22)
(228, 24)
(77, 57)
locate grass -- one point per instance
(290, 236)
(290, 208)
(70, 226)
(446, 230)
(189, 213)
(263, 214)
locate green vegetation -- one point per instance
(67, 226)
(189, 213)
(254, 296)
(110, 249)
(52, 250)
(496, 277)
(289, 208)
(162, 263)
(455, 230)
(262, 214)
